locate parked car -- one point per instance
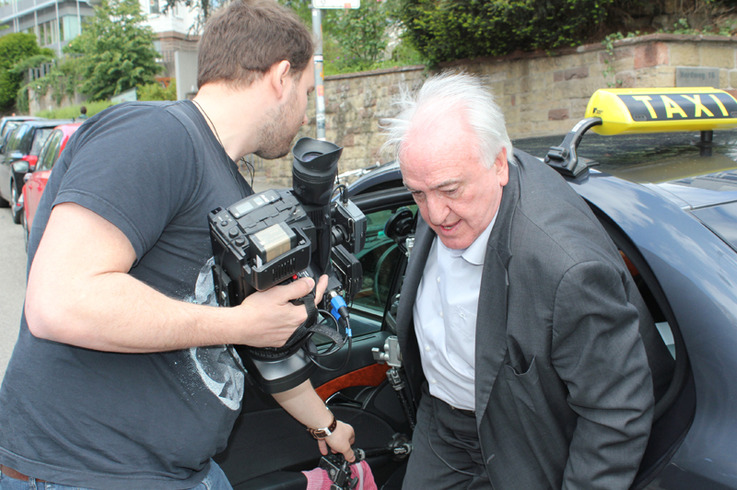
(20, 155)
(669, 202)
(36, 178)
(8, 123)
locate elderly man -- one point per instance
(518, 322)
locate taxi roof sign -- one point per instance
(653, 110)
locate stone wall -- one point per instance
(541, 93)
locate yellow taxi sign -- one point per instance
(654, 110)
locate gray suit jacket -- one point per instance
(563, 391)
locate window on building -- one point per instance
(47, 32)
(70, 27)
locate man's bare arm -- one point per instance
(80, 293)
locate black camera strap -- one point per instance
(301, 335)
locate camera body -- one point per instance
(279, 235)
(268, 238)
(259, 242)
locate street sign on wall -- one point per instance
(336, 4)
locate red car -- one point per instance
(35, 181)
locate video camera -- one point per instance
(279, 235)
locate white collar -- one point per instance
(474, 253)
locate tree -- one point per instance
(353, 39)
(205, 8)
(14, 48)
(360, 35)
(116, 51)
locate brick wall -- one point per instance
(540, 93)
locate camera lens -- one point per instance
(307, 157)
(314, 169)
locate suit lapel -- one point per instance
(491, 318)
(424, 237)
(405, 323)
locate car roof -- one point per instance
(69, 128)
(45, 123)
(18, 118)
(648, 158)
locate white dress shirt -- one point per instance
(445, 319)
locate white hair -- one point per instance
(441, 95)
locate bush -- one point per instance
(444, 30)
(157, 91)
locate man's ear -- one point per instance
(278, 75)
(501, 166)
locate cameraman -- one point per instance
(122, 375)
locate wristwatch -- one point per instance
(324, 432)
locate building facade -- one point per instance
(56, 22)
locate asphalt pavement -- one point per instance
(12, 284)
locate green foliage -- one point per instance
(116, 50)
(157, 91)
(608, 43)
(14, 48)
(62, 80)
(22, 105)
(205, 8)
(360, 35)
(357, 39)
(444, 30)
(72, 111)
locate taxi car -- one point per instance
(658, 167)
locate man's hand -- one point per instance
(303, 403)
(276, 317)
(340, 441)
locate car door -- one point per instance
(269, 449)
(36, 180)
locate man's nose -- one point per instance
(437, 211)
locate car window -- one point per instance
(14, 139)
(25, 138)
(381, 260)
(50, 151)
(39, 139)
(9, 126)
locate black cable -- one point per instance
(314, 356)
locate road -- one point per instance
(12, 284)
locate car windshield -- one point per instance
(9, 126)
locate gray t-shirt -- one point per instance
(108, 420)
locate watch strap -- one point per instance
(324, 432)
